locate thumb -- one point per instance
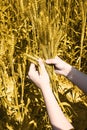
(42, 67)
(51, 61)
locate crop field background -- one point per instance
(40, 28)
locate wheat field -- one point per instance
(30, 29)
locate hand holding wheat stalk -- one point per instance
(34, 59)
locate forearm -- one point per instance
(57, 118)
(78, 78)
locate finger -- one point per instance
(31, 69)
(42, 67)
(51, 61)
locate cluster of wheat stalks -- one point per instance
(39, 28)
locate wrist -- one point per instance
(68, 69)
(72, 73)
(45, 88)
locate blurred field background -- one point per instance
(40, 28)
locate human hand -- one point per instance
(41, 79)
(60, 66)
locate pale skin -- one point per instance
(41, 79)
(74, 75)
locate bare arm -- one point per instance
(74, 75)
(56, 116)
